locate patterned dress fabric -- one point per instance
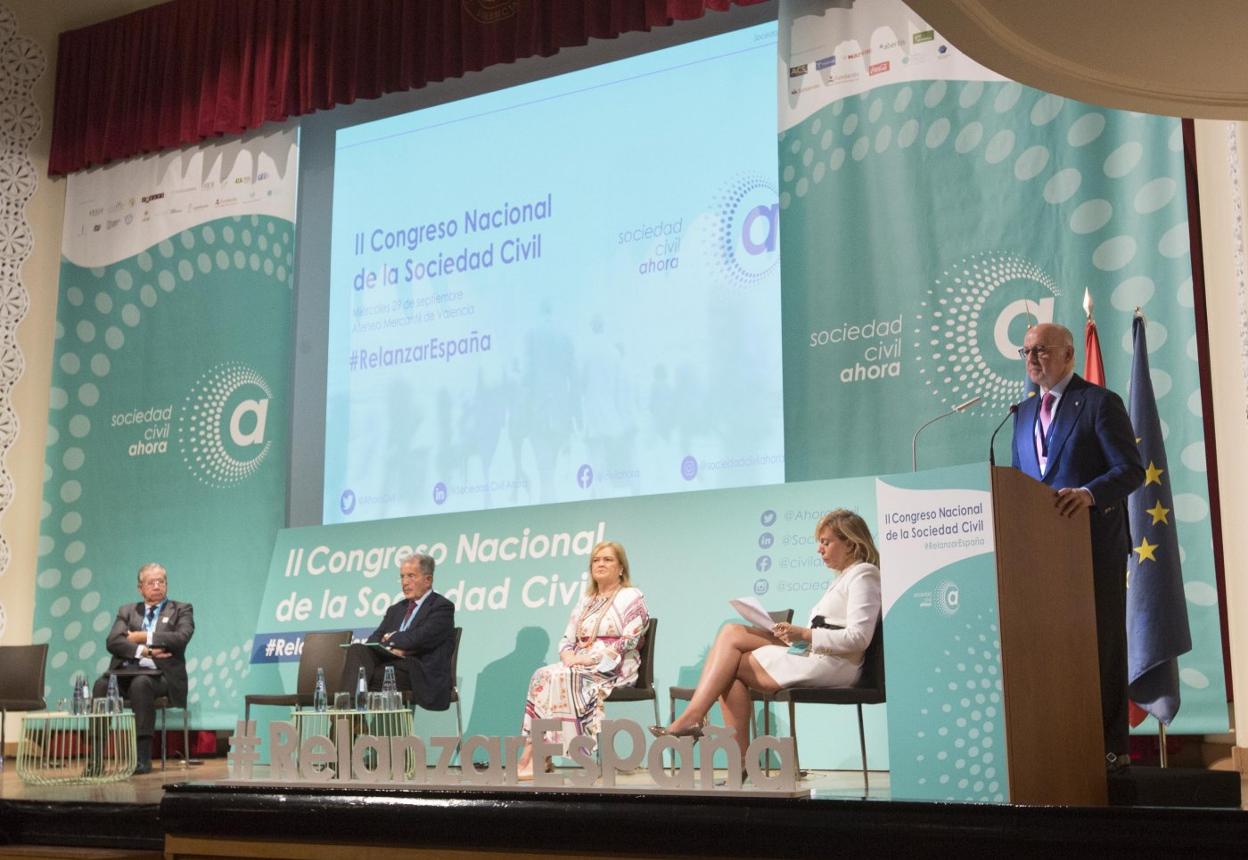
(608, 628)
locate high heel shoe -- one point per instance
(694, 731)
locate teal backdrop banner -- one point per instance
(515, 575)
(167, 428)
(930, 211)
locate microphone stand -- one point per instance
(992, 453)
(914, 442)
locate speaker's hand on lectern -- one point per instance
(1071, 500)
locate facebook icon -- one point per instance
(584, 476)
(763, 564)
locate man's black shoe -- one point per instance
(143, 756)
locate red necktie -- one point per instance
(1046, 416)
(1046, 419)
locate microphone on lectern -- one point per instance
(914, 442)
(992, 456)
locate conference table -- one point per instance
(60, 748)
(382, 722)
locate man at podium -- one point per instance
(1077, 438)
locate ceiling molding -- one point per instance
(1147, 55)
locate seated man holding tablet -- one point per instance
(416, 637)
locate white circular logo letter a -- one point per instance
(260, 408)
(1041, 311)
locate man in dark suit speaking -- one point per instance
(1077, 438)
(148, 643)
(416, 637)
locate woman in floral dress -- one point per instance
(598, 652)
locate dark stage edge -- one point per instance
(87, 825)
(693, 826)
(649, 825)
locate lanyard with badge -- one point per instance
(153, 613)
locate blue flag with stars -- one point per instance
(1157, 626)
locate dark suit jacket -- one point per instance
(428, 644)
(1092, 445)
(174, 628)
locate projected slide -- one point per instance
(565, 290)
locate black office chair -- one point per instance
(321, 650)
(21, 680)
(459, 723)
(458, 633)
(868, 691)
(643, 688)
(163, 704)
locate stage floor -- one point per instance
(149, 789)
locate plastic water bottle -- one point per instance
(390, 690)
(361, 691)
(320, 700)
(76, 707)
(114, 695)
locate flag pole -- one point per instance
(1158, 630)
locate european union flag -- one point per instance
(1157, 626)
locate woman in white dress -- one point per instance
(598, 652)
(828, 653)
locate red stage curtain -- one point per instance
(187, 70)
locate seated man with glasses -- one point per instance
(148, 643)
(416, 637)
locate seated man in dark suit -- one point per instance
(148, 644)
(418, 635)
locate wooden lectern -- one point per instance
(1050, 671)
